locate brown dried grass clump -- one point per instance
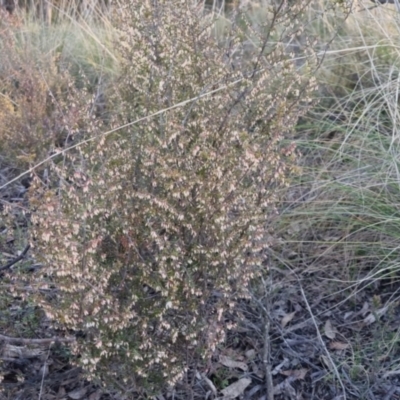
(41, 108)
(156, 229)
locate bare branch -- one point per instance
(9, 339)
(19, 258)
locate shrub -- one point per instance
(155, 229)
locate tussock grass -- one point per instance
(341, 220)
(350, 142)
(40, 68)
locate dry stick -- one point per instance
(9, 339)
(267, 360)
(267, 347)
(209, 383)
(20, 257)
(44, 373)
(322, 341)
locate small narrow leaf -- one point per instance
(287, 318)
(329, 330)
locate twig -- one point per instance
(209, 383)
(45, 371)
(267, 360)
(20, 257)
(267, 347)
(9, 339)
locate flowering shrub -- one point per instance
(154, 230)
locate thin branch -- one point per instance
(266, 337)
(19, 258)
(9, 339)
(45, 371)
(267, 360)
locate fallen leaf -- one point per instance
(296, 373)
(339, 345)
(61, 392)
(330, 331)
(278, 368)
(348, 315)
(95, 395)
(228, 362)
(371, 318)
(250, 354)
(78, 394)
(236, 389)
(365, 308)
(287, 318)
(285, 387)
(298, 307)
